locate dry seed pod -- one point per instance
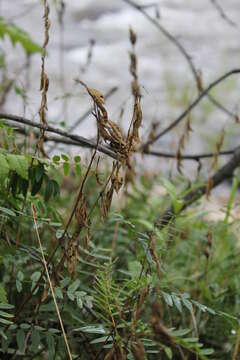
(188, 127)
(103, 132)
(117, 179)
(97, 97)
(133, 37)
(115, 131)
(136, 89)
(219, 144)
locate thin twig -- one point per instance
(50, 283)
(192, 106)
(83, 117)
(166, 33)
(157, 153)
(180, 47)
(222, 13)
(195, 157)
(79, 197)
(79, 139)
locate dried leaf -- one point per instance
(133, 138)
(117, 182)
(133, 65)
(135, 88)
(97, 97)
(199, 167)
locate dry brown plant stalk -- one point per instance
(50, 283)
(185, 136)
(44, 84)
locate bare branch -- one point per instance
(167, 34)
(182, 50)
(222, 13)
(192, 106)
(89, 111)
(79, 139)
(195, 157)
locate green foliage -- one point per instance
(117, 298)
(128, 291)
(17, 35)
(137, 291)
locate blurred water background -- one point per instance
(164, 75)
